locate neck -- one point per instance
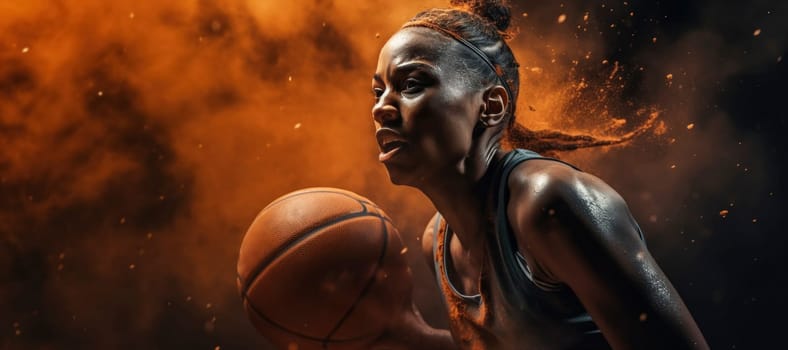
(463, 197)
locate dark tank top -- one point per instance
(512, 309)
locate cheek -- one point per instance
(449, 140)
(444, 130)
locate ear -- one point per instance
(496, 103)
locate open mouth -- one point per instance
(390, 142)
(392, 145)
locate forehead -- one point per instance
(414, 43)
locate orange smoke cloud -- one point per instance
(140, 139)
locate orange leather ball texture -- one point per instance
(322, 268)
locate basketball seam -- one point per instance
(287, 330)
(311, 230)
(299, 238)
(285, 248)
(366, 288)
(310, 192)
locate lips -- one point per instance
(390, 142)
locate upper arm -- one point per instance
(426, 242)
(581, 232)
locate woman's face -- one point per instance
(425, 107)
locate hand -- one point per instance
(409, 331)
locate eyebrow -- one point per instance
(409, 66)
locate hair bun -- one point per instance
(498, 12)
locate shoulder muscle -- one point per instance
(547, 196)
(581, 231)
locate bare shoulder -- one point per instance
(553, 206)
(540, 189)
(578, 231)
(548, 179)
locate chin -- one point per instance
(397, 179)
(401, 178)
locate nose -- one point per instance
(385, 111)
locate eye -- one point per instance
(412, 86)
(377, 92)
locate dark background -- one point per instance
(138, 141)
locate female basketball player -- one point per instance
(529, 252)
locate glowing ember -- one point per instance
(690, 126)
(225, 89)
(724, 213)
(756, 32)
(660, 129)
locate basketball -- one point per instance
(322, 268)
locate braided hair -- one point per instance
(484, 24)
